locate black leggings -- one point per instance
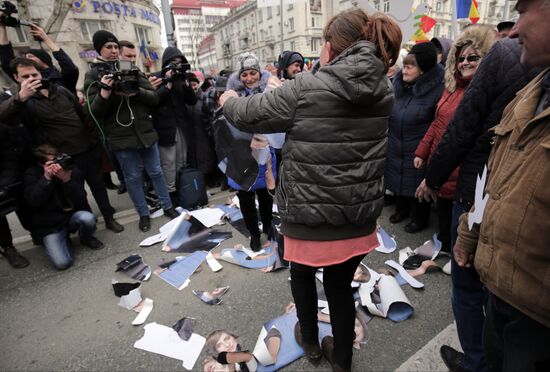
(337, 283)
(247, 200)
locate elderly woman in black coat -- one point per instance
(417, 90)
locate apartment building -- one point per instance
(248, 28)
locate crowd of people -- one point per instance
(369, 125)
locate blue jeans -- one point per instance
(469, 298)
(57, 244)
(132, 162)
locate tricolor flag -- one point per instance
(467, 9)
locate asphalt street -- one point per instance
(71, 321)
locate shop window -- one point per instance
(90, 27)
(143, 35)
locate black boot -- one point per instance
(14, 258)
(255, 242)
(145, 223)
(313, 351)
(109, 182)
(175, 197)
(453, 359)
(171, 213)
(113, 225)
(328, 350)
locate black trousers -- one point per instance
(89, 163)
(337, 283)
(247, 200)
(444, 209)
(512, 341)
(409, 206)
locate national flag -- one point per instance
(427, 23)
(423, 27)
(143, 49)
(474, 13)
(467, 9)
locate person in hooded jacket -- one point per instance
(417, 90)
(289, 64)
(443, 45)
(464, 58)
(250, 80)
(204, 154)
(331, 190)
(171, 117)
(68, 76)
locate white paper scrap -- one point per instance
(213, 263)
(147, 242)
(261, 353)
(208, 216)
(404, 274)
(165, 341)
(480, 201)
(131, 300)
(144, 313)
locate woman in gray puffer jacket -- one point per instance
(331, 186)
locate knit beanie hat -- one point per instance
(192, 77)
(425, 54)
(248, 61)
(42, 55)
(101, 38)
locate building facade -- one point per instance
(134, 20)
(207, 60)
(193, 19)
(248, 28)
(491, 12)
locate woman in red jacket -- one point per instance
(462, 63)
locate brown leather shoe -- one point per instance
(313, 352)
(328, 349)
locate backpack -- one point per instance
(191, 188)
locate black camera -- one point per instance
(45, 83)
(65, 161)
(124, 74)
(178, 71)
(7, 19)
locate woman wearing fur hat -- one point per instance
(462, 63)
(417, 90)
(247, 81)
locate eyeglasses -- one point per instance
(470, 58)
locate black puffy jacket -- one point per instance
(467, 141)
(331, 186)
(411, 117)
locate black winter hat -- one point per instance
(426, 55)
(101, 38)
(192, 77)
(42, 55)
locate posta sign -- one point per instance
(119, 9)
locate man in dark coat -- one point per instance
(53, 115)
(55, 192)
(128, 127)
(68, 76)
(467, 143)
(171, 116)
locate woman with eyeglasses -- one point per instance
(464, 58)
(417, 88)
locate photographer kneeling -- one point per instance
(122, 99)
(54, 190)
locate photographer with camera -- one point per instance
(123, 100)
(171, 118)
(54, 190)
(53, 115)
(68, 76)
